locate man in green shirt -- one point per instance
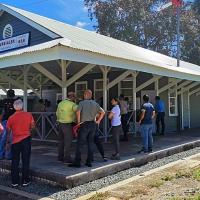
(66, 116)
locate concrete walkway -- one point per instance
(44, 162)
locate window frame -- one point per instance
(79, 83)
(170, 91)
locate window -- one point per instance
(80, 87)
(98, 89)
(126, 88)
(173, 110)
(7, 31)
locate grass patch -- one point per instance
(183, 174)
(168, 177)
(196, 174)
(156, 184)
(138, 191)
(99, 196)
(196, 197)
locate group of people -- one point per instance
(82, 120)
(88, 114)
(15, 137)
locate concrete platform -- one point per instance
(44, 162)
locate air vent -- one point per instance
(7, 31)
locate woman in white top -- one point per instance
(116, 130)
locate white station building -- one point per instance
(50, 58)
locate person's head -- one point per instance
(114, 101)
(71, 96)
(18, 105)
(10, 94)
(121, 97)
(87, 94)
(146, 98)
(126, 99)
(157, 98)
(41, 101)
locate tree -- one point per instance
(140, 23)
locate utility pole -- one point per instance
(178, 37)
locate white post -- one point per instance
(64, 78)
(157, 88)
(25, 88)
(182, 111)
(189, 114)
(105, 100)
(134, 101)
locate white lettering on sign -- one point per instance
(14, 42)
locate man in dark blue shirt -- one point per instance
(160, 115)
(146, 122)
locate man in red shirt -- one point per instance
(20, 125)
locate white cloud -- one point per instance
(81, 24)
(85, 9)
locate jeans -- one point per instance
(125, 126)
(98, 142)
(147, 137)
(21, 149)
(116, 131)
(3, 153)
(64, 141)
(85, 137)
(160, 118)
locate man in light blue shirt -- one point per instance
(160, 115)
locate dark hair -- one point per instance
(41, 101)
(11, 93)
(157, 98)
(146, 98)
(115, 99)
(126, 99)
(121, 95)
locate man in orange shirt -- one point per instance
(20, 125)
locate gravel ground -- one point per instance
(60, 194)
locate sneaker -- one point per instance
(14, 185)
(105, 159)
(26, 183)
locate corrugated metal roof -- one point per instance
(81, 39)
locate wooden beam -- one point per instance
(189, 87)
(48, 74)
(166, 87)
(119, 78)
(183, 84)
(78, 75)
(194, 91)
(149, 82)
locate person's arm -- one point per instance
(32, 123)
(154, 114)
(111, 115)
(78, 116)
(100, 117)
(142, 116)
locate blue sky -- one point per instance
(69, 11)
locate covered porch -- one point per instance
(53, 68)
